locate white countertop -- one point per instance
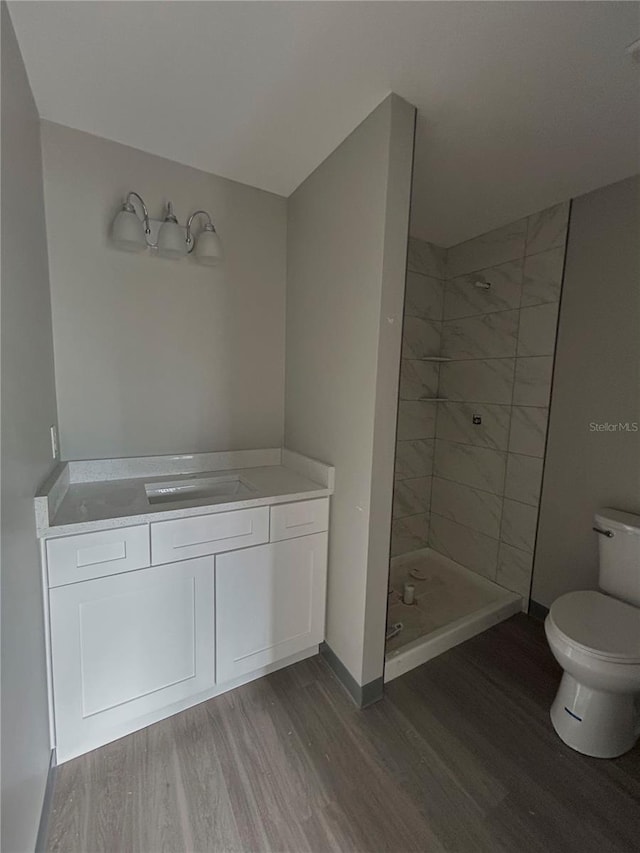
(68, 503)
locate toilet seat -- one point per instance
(599, 625)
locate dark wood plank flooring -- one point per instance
(459, 756)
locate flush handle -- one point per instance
(602, 532)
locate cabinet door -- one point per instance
(126, 646)
(270, 603)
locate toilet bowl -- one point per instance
(596, 640)
(595, 637)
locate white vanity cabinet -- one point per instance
(137, 635)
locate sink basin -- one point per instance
(226, 486)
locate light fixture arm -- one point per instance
(135, 231)
(129, 206)
(208, 226)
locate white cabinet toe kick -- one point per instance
(147, 620)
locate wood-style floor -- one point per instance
(459, 756)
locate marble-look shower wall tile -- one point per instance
(455, 423)
(481, 381)
(501, 342)
(528, 430)
(425, 258)
(514, 569)
(488, 250)
(524, 478)
(416, 420)
(411, 497)
(532, 385)
(463, 299)
(420, 338)
(418, 379)
(542, 278)
(547, 229)
(478, 467)
(467, 547)
(484, 336)
(537, 333)
(414, 458)
(471, 507)
(409, 534)
(423, 297)
(519, 525)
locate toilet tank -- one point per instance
(619, 554)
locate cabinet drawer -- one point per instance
(289, 521)
(93, 555)
(200, 535)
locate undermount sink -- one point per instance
(195, 488)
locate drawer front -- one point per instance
(184, 538)
(288, 521)
(93, 555)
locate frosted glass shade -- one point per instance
(208, 249)
(127, 232)
(171, 240)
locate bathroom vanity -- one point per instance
(169, 580)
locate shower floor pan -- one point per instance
(453, 604)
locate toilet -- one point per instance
(595, 637)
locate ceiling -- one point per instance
(520, 104)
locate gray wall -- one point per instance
(156, 356)
(28, 409)
(347, 233)
(596, 380)
(394, 262)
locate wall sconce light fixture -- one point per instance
(168, 238)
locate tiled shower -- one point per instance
(477, 361)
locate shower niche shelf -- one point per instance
(437, 358)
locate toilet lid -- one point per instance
(603, 626)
